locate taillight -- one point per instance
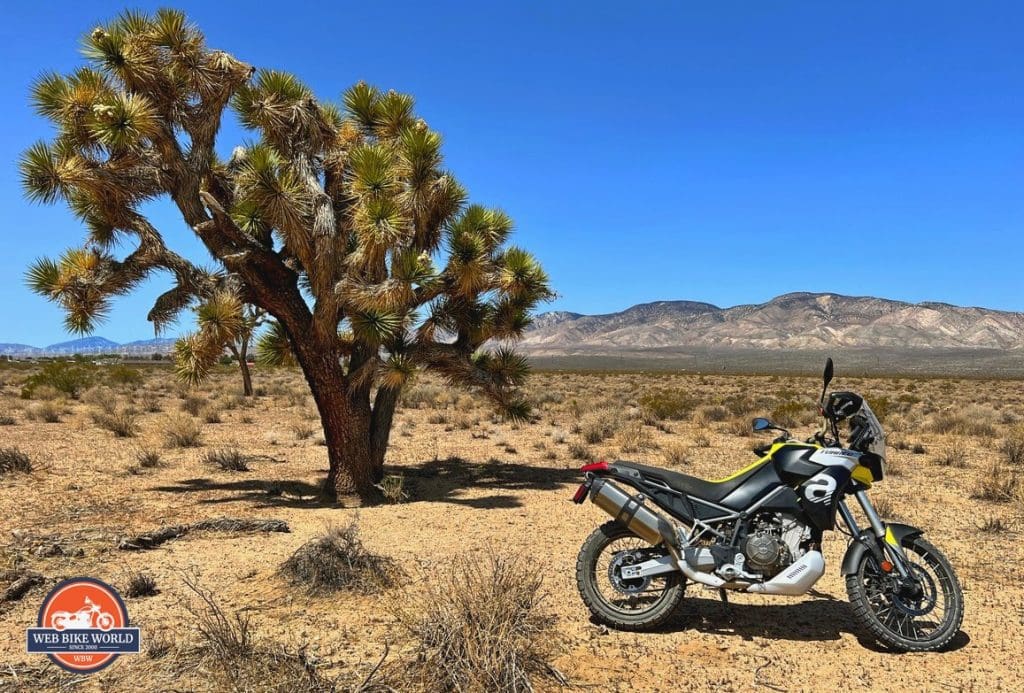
(581, 493)
(595, 467)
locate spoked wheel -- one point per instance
(903, 614)
(633, 604)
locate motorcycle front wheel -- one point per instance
(905, 616)
(625, 604)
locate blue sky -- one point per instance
(725, 152)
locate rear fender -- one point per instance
(895, 533)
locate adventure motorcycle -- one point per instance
(760, 530)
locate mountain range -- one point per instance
(796, 321)
(90, 345)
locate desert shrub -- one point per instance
(122, 423)
(148, 459)
(633, 437)
(438, 417)
(716, 413)
(14, 460)
(229, 655)
(183, 432)
(392, 487)
(229, 459)
(7, 420)
(480, 626)
(918, 449)
(227, 637)
(885, 508)
(47, 412)
(997, 484)
(579, 451)
(1013, 448)
(123, 375)
(303, 431)
(338, 560)
(995, 525)
(598, 426)
(676, 455)
(140, 584)
(792, 413)
(974, 421)
(64, 376)
(701, 441)
(192, 404)
(420, 395)
(954, 455)
(212, 416)
(668, 404)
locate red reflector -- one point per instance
(580, 494)
(595, 467)
(887, 567)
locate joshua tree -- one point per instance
(224, 323)
(339, 221)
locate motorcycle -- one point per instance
(89, 616)
(760, 531)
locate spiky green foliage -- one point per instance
(339, 220)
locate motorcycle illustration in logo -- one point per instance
(89, 616)
(83, 626)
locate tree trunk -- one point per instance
(380, 428)
(243, 366)
(346, 423)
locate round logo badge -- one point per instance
(83, 626)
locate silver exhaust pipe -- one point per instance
(630, 512)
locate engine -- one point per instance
(773, 541)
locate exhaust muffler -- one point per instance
(631, 513)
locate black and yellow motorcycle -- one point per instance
(760, 530)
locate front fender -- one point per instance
(895, 533)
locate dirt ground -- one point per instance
(478, 484)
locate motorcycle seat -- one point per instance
(713, 491)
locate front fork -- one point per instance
(899, 558)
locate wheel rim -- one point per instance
(912, 614)
(630, 598)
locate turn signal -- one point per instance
(886, 567)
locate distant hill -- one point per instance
(796, 321)
(91, 345)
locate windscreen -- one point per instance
(869, 436)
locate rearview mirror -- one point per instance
(761, 424)
(829, 371)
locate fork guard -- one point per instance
(867, 543)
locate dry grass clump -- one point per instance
(480, 626)
(14, 460)
(148, 459)
(7, 420)
(598, 426)
(229, 459)
(140, 585)
(122, 423)
(227, 646)
(183, 432)
(676, 455)
(954, 455)
(1013, 448)
(392, 487)
(338, 560)
(995, 525)
(633, 437)
(998, 484)
(47, 412)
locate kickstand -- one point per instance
(725, 603)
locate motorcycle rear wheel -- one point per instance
(631, 605)
(915, 623)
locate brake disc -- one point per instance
(623, 585)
